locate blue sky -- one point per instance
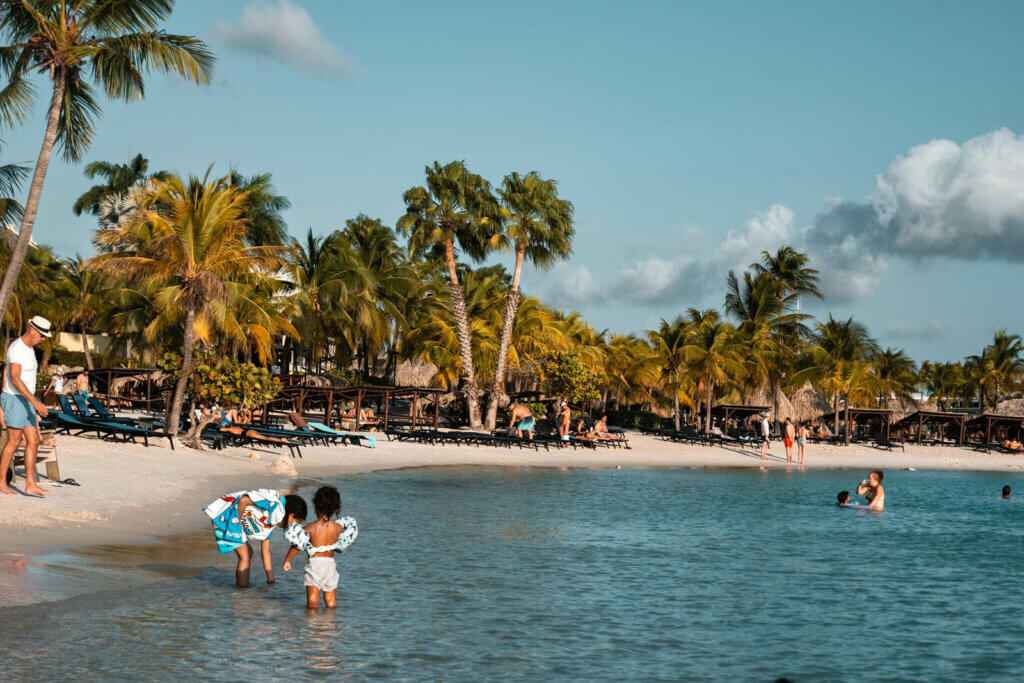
(881, 137)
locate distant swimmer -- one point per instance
(843, 498)
(872, 489)
(1006, 491)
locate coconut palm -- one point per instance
(1003, 363)
(896, 374)
(188, 242)
(712, 354)
(119, 180)
(81, 45)
(788, 268)
(86, 291)
(538, 226)
(262, 209)
(11, 178)
(455, 207)
(671, 359)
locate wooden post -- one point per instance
(359, 406)
(437, 409)
(413, 411)
(963, 428)
(327, 407)
(920, 426)
(387, 407)
(988, 430)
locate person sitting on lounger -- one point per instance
(823, 432)
(231, 422)
(520, 420)
(1011, 445)
(600, 430)
(347, 417)
(366, 416)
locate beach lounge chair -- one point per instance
(888, 444)
(300, 422)
(115, 431)
(218, 439)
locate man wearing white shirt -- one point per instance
(20, 405)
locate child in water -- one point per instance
(240, 517)
(321, 540)
(844, 498)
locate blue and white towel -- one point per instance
(227, 527)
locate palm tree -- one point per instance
(262, 209)
(1003, 362)
(672, 351)
(456, 206)
(188, 241)
(896, 374)
(320, 281)
(119, 180)
(78, 44)
(838, 350)
(86, 291)
(11, 178)
(789, 269)
(712, 354)
(538, 224)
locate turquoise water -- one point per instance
(527, 574)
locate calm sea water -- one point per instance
(474, 574)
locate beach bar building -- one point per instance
(988, 426)
(953, 424)
(879, 421)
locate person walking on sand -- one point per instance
(20, 405)
(790, 437)
(766, 431)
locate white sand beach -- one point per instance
(131, 494)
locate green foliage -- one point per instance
(539, 410)
(351, 377)
(634, 419)
(229, 383)
(568, 376)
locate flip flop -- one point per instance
(69, 482)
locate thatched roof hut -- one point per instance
(809, 404)
(1013, 406)
(763, 397)
(415, 374)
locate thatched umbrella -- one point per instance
(809, 404)
(763, 397)
(415, 374)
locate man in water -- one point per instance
(564, 416)
(766, 431)
(520, 420)
(1006, 491)
(20, 405)
(872, 489)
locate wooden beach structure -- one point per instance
(916, 422)
(850, 415)
(735, 411)
(323, 401)
(988, 423)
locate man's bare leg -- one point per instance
(13, 440)
(31, 447)
(312, 597)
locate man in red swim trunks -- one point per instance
(790, 436)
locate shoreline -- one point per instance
(136, 495)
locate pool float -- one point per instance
(856, 506)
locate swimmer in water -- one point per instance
(872, 489)
(1006, 491)
(843, 498)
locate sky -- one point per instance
(884, 139)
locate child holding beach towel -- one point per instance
(321, 540)
(242, 516)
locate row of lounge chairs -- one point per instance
(545, 440)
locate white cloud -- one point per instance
(286, 33)
(570, 285)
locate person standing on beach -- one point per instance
(766, 431)
(564, 417)
(802, 435)
(20, 405)
(790, 436)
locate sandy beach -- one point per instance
(133, 494)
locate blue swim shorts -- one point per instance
(18, 412)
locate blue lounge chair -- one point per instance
(371, 440)
(116, 431)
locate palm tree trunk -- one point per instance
(675, 410)
(846, 417)
(707, 420)
(835, 408)
(28, 219)
(469, 386)
(186, 367)
(85, 350)
(511, 305)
